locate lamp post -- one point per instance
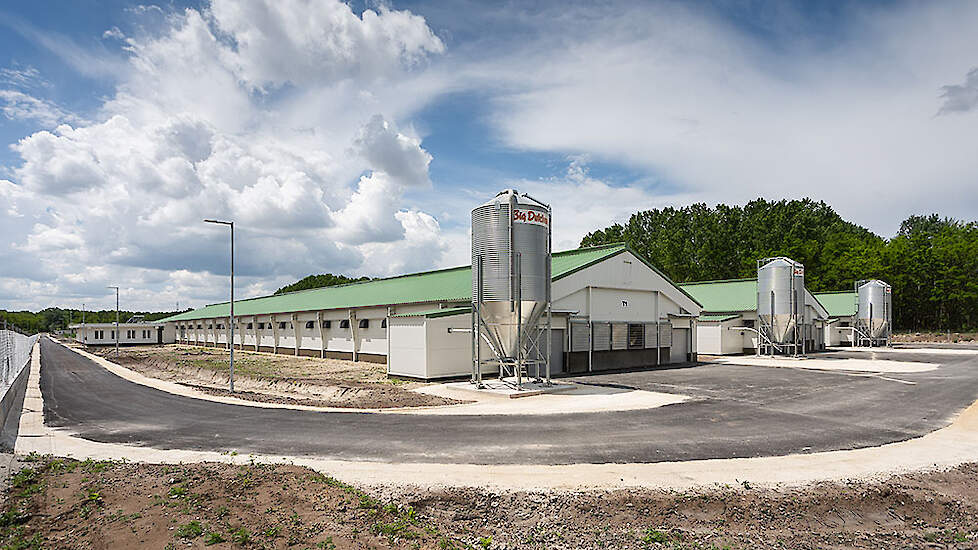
(231, 316)
(116, 320)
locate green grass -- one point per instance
(190, 530)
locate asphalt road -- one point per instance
(736, 411)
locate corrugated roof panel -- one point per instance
(724, 296)
(444, 285)
(838, 304)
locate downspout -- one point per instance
(388, 321)
(274, 334)
(658, 337)
(296, 332)
(590, 328)
(322, 334)
(354, 333)
(254, 326)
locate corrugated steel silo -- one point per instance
(781, 298)
(511, 250)
(874, 308)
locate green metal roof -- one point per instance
(444, 285)
(724, 296)
(722, 317)
(838, 304)
(434, 313)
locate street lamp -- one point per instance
(231, 317)
(116, 320)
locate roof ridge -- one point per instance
(719, 281)
(835, 292)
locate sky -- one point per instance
(355, 138)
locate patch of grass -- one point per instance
(190, 530)
(653, 536)
(240, 536)
(213, 538)
(178, 491)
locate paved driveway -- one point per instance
(736, 411)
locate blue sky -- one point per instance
(355, 138)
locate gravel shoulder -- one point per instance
(272, 378)
(61, 503)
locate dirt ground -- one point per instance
(274, 378)
(60, 503)
(934, 337)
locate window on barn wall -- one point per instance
(364, 323)
(250, 326)
(345, 323)
(310, 324)
(281, 325)
(327, 324)
(636, 336)
(383, 324)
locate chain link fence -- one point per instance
(15, 354)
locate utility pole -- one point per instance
(84, 328)
(116, 320)
(231, 316)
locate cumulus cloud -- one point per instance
(392, 152)
(959, 98)
(308, 41)
(191, 134)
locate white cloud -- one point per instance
(720, 113)
(310, 41)
(392, 152)
(17, 105)
(186, 136)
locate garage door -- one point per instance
(680, 345)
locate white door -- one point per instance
(680, 345)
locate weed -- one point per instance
(240, 536)
(652, 536)
(326, 544)
(271, 532)
(178, 491)
(190, 530)
(485, 542)
(213, 538)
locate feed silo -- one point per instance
(874, 312)
(781, 305)
(511, 284)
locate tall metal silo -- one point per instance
(874, 312)
(511, 284)
(781, 304)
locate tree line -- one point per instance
(319, 281)
(55, 318)
(932, 261)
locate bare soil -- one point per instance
(59, 503)
(275, 378)
(934, 337)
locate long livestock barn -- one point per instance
(730, 323)
(611, 309)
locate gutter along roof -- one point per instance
(443, 285)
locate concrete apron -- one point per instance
(944, 448)
(572, 398)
